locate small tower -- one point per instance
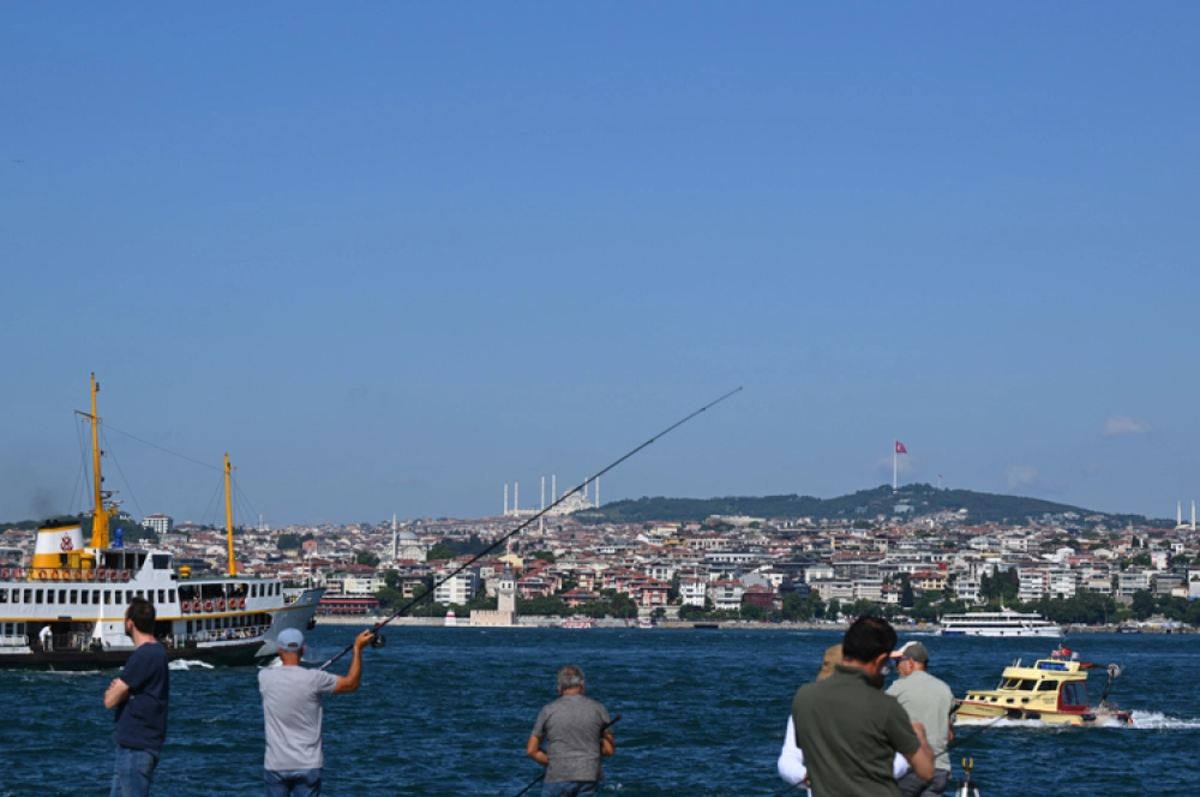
(506, 592)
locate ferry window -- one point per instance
(29, 592)
(3, 596)
(74, 596)
(118, 597)
(1046, 686)
(1074, 694)
(171, 595)
(129, 596)
(161, 561)
(161, 597)
(107, 597)
(49, 595)
(189, 626)
(62, 595)
(142, 594)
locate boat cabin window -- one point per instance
(49, 596)
(28, 593)
(170, 595)
(1074, 694)
(161, 561)
(74, 596)
(4, 595)
(1047, 686)
(117, 597)
(39, 597)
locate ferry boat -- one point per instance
(66, 609)
(1052, 690)
(577, 622)
(1002, 623)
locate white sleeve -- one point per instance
(791, 759)
(899, 766)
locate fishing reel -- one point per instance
(378, 641)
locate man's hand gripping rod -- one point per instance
(413, 602)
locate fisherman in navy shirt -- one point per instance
(139, 694)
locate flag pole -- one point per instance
(895, 448)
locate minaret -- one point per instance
(516, 499)
(1178, 514)
(1193, 515)
(395, 541)
(542, 518)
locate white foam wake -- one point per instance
(1156, 720)
(189, 664)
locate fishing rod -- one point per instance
(414, 601)
(603, 728)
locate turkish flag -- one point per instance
(900, 449)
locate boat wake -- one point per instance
(1156, 720)
(1141, 720)
(189, 664)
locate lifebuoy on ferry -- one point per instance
(4, 573)
(208, 606)
(185, 607)
(241, 603)
(91, 575)
(196, 605)
(221, 604)
(124, 575)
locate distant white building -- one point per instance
(158, 523)
(459, 589)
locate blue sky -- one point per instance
(393, 256)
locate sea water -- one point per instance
(447, 711)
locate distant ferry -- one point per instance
(577, 622)
(1004, 623)
(66, 609)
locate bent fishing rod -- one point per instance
(414, 601)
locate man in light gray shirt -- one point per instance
(929, 701)
(577, 732)
(292, 713)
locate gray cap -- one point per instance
(289, 639)
(910, 650)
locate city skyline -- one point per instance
(391, 257)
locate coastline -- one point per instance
(677, 625)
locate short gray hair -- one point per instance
(570, 677)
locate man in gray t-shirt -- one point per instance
(929, 701)
(292, 714)
(576, 732)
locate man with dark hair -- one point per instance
(140, 695)
(928, 700)
(576, 730)
(849, 730)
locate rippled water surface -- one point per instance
(447, 712)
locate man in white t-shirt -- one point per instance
(46, 637)
(292, 713)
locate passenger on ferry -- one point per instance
(849, 730)
(791, 758)
(929, 701)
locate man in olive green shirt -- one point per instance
(849, 730)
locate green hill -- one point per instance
(923, 499)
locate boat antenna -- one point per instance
(429, 593)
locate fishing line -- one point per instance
(414, 601)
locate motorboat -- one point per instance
(1052, 690)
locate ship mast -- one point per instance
(100, 513)
(229, 518)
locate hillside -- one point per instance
(862, 505)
